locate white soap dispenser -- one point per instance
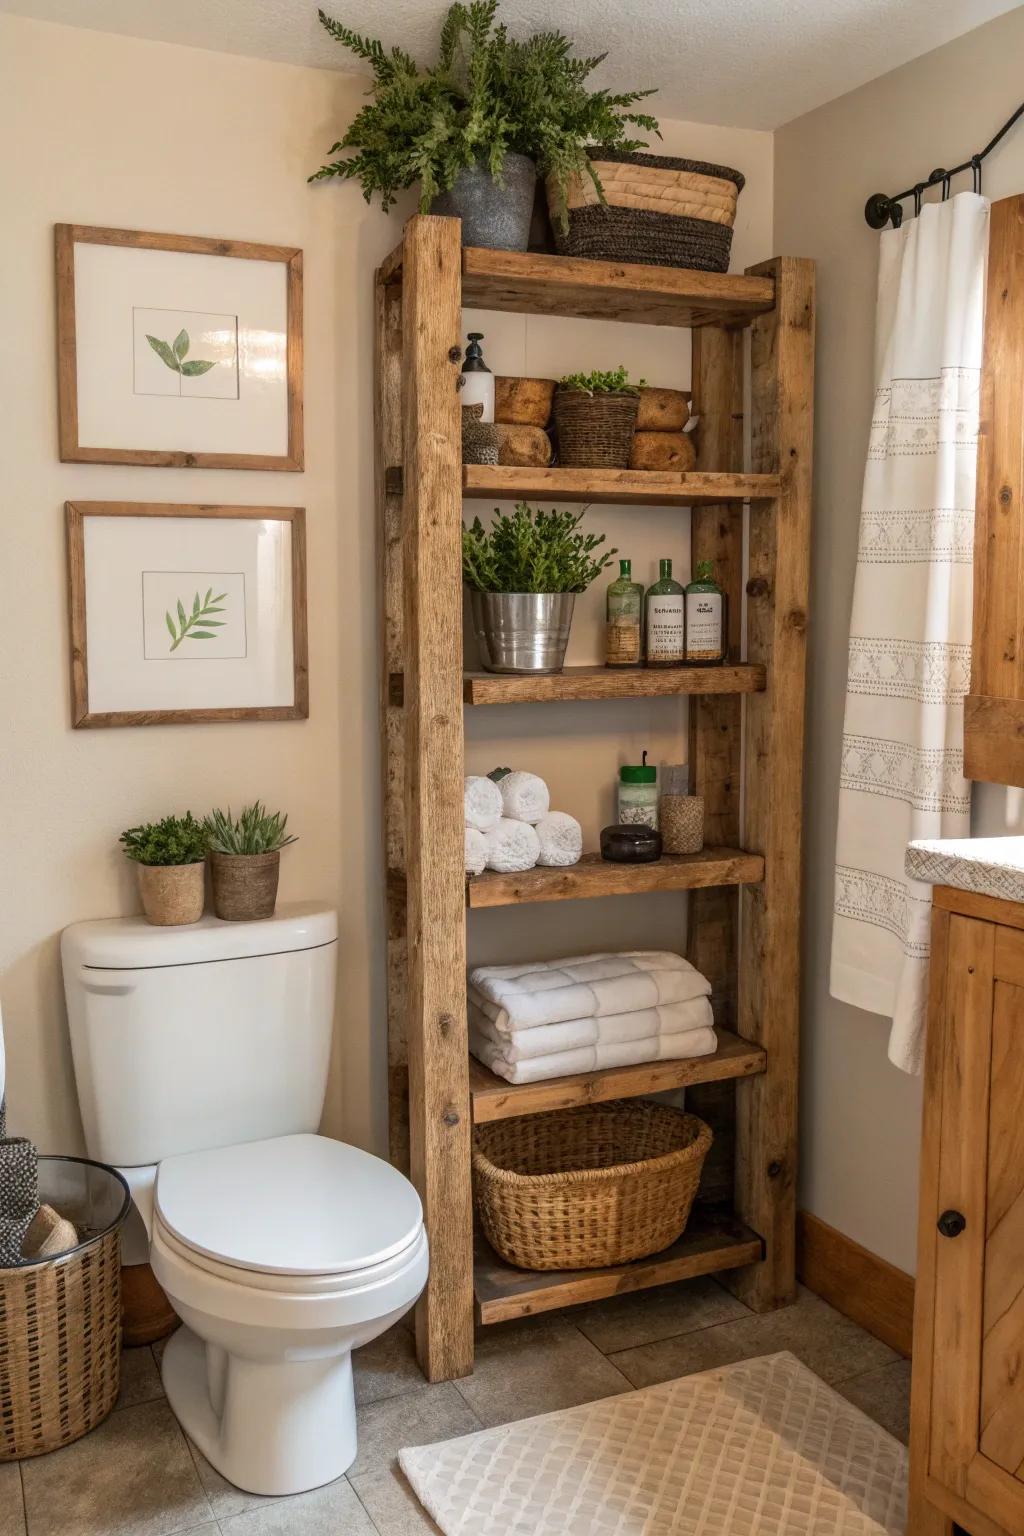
(477, 380)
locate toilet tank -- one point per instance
(201, 1036)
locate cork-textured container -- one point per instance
(172, 894)
(245, 885)
(681, 818)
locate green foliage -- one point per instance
(197, 625)
(617, 382)
(531, 552)
(489, 94)
(173, 355)
(254, 831)
(175, 840)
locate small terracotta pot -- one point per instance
(245, 885)
(172, 894)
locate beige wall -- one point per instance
(860, 1116)
(100, 129)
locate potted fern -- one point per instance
(245, 860)
(474, 129)
(523, 574)
(595, 417)
(170, 856)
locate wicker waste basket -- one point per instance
(60, 1317)
(584, 1188)
(595, 431)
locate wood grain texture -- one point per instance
(609, 683)
(435, 890)
(66, 237)
(146, 1314)
(997, 1497)
(617, 487)
(782, 413)
(989, 909)
(82, 717)
(994, 739)
(594, 876)
(859, 1284)
(943, 1501)
(495, 1099)
(526, 283)
(712, 1243)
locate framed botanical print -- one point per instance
(181, 614)
(178, 350)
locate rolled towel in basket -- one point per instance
(524, 796)
(512, 846)
(49, 1234)
(476, 852)
(561, 840)
(481, 802)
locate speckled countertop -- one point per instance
(990, 866)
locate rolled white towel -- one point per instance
(511, 846)
(561, 839)
(476, 851)
(482, 801)
(524, 797)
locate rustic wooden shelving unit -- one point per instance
(745, 744)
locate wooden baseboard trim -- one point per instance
(864, 1287)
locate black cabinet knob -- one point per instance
(951, 1223)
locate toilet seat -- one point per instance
(306, 1212)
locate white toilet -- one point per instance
(201, 1058)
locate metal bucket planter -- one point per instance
(522, 631)
(494, 214)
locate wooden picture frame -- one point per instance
(83, 715)
(72, 450)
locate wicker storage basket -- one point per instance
(660, 210)
(595, 431)
(60, 1318)
(588, 1187)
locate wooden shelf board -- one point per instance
(494, 1099)
(594, 876)
(526, 283)
(615, 487)
(713, 1241)
(610, 683)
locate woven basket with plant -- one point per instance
(245, 859)
(595, 416)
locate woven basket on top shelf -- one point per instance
(595, 431)
(584, 1188)
(660, 210)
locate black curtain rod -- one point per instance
(879, 208)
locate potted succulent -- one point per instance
(595, 417)
(476, 128)
(171, 860)
(523, 575)
(245, 859)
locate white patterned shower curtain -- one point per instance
(910, 632)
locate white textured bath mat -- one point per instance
(762, 1448)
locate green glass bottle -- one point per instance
(706, 625)
(664, 620)
(624, 609)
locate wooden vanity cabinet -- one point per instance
(967, 1411)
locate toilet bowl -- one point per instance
(201, 1064)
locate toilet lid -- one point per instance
(293, 1205)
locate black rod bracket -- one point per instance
(880, 208)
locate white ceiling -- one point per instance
(741, 63)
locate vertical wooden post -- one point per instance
(782, 404)
(435, 880)
(716, 534)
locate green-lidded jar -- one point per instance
(638, 794)
(663, 616)
(706, 621)
(624, 610)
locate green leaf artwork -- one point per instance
(173, 355)
(199, 624)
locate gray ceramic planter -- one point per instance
(494, 215)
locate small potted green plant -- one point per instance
(245, 859)
(595, 417)
(523, 574)
(171, 859)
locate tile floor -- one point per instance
(137, 1475)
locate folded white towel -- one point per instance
(583, 987)
(696, 1042)
(561, 840)
(476, 852)
(482, 802)
(612, 1029)
(524, 797)
(511, 846)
